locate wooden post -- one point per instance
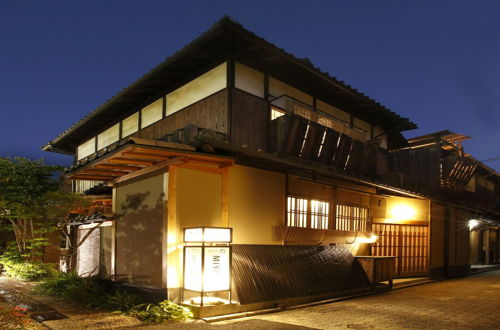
(113, 236)
(172, 253)
(225, 198)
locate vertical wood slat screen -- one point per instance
(409, 243)
(351, 218)
(307, 213)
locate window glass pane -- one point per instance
(304, 213)
(351, 218)
(130, 125)
(85, 149)
(197, 89)
(249, 80)
(108, 137)
(152, 113)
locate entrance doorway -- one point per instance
(408, 243)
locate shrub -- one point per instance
(163, 311)
(90, 291)
(99, 293)
(122, 301)
(15, 265)
(29, 271)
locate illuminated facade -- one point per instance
(233, 132)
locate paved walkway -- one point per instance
(467, 303)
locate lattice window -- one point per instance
(351, 218)
(307, 213)
(319, 214)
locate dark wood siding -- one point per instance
(279, 272)
(249, 119)
(209, 113)
(416, 170)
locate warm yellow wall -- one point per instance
(256, 204)
(140, 209)
(349, 197)
(194, 200)
(249, 80)
(198, 198)
(197, 89)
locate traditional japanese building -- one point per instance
(234, 132)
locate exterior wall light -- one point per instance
(372, 239)
(403, 212)
(473, 224)
(207, 265)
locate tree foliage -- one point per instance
(31, 205)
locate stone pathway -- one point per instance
(467, 303)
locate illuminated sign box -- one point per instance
(208, 276)
(207, 260)
(208, 235)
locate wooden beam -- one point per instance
(185, 154)
(118, 167)
(122, 160)
(162, 165)
(91, 177)
(105, 172)
(144, 155)
(201, 168)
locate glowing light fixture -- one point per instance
(207, 263)
(403, 212)
(473, 224)
(372, 239)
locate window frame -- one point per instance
(354, 221)
(304, 217)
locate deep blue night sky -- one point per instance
(435, 62)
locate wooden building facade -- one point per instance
(232, 131)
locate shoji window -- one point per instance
(351, 218)
(307, 213)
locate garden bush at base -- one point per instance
(99, 293)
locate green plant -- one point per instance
(163, 311)
(90, 291)
(99, 293)
(15, 266)
(58, 285)
(122, 301)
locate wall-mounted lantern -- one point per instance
(473, 223)
(207, 266)
(401, 212)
